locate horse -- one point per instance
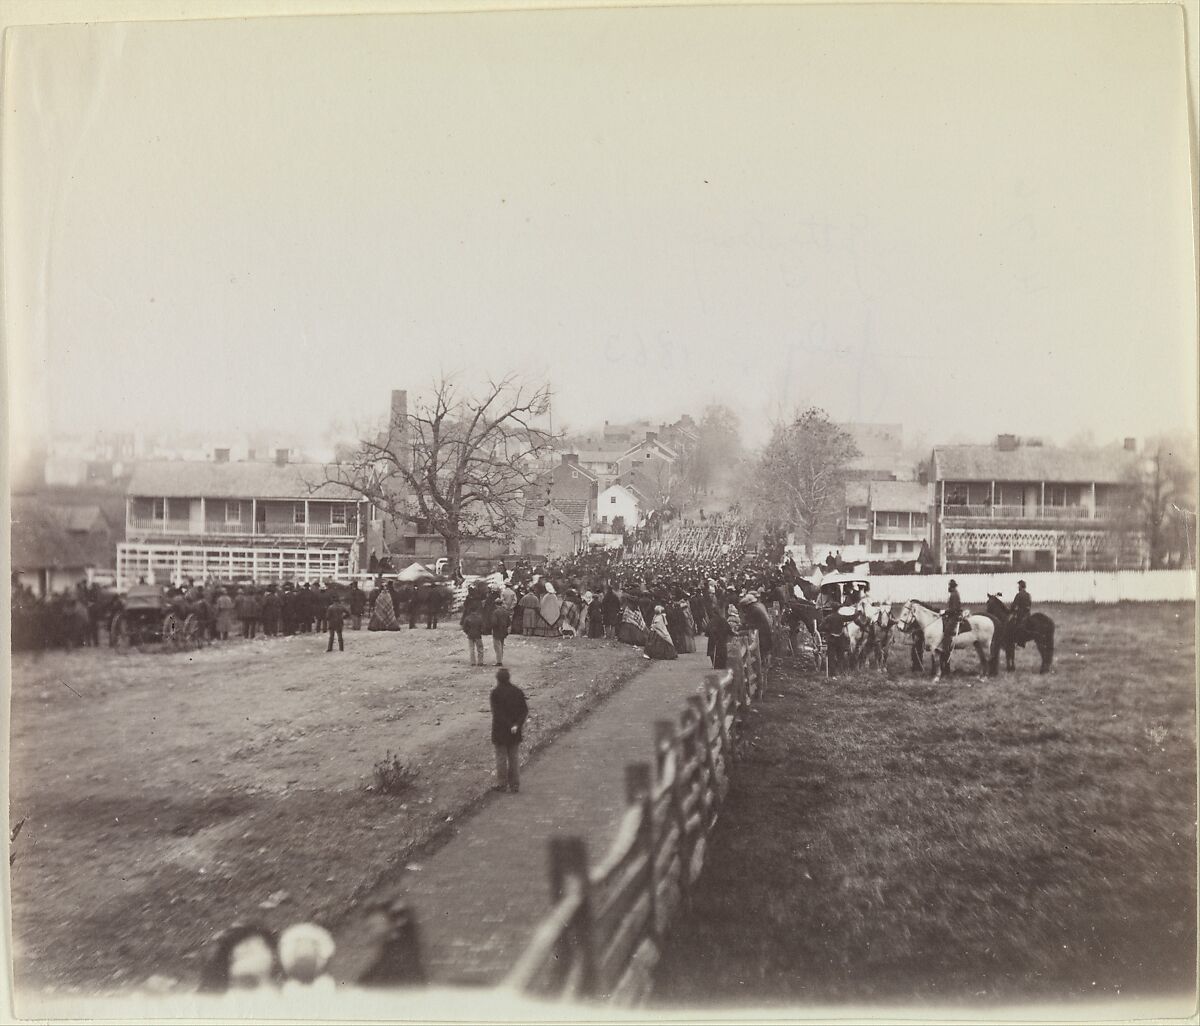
(983, 630)
(1037, 628)
(879, 638)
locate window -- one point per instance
(298, 513)
(649, 455)
(918, 520)
(337, 514)
(889, 519)
(160, 509)
(1056, 495)
(574, 474)
(233, 511)
(541, 521)
(612, 500)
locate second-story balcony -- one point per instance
(1029, 512)
(903, 532)
(160, 527)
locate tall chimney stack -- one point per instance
(1131, 445)
(398, 426)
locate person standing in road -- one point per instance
(335, 617)
(501, 618)
(509, 712)
(472, 625)
(358, 602)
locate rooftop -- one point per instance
(900, 496)
(1031, 463)
(178, 479)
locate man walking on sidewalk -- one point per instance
(509, 711)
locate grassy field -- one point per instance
(1027, 838)
(167, 795)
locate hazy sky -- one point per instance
(965, 219)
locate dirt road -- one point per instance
(167, 795)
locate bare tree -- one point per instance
(457, 462)
(1162, 499)
(801, 472)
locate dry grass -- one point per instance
(167, 795)
(1026, 838)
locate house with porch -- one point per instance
(887, 519)
(246, 520)
(1016, 505)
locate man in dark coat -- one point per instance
(270, 612)
(335, 617)
(509, 712)
(1022, 606)
(754, 614)
(358, 603)
(611, 606)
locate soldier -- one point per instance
(1022, 605)
(950, 617)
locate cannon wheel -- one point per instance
(191, 632)
(172, 630)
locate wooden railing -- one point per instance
(604, 931)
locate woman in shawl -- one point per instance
(383, 616)
(658, 642)
(687, 628)
(569, 617)
(632, 629)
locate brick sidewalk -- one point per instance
(479, 898)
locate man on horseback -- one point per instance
(1022, 606)
(950, 618)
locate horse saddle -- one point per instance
(964, 626)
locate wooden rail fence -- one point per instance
(604, 931)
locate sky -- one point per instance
(964, 219)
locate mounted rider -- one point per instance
(950, 618)
(1022, 606)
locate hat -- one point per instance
(954, 584)
(1021, 584)
(304, 951)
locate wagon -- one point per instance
(146, 616)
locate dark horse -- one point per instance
(797, 612)
(1037, 628)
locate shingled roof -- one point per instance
(181, 479)
(40, 540)
(900, 496)
(1031, 463)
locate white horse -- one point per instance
(930, 623)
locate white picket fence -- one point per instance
(1067, 586)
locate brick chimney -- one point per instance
(220, 455)
(1006, 443)
(651, 436)
(281, 457)
(1131, 445)
(571, 459)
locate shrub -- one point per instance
(393, 776)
